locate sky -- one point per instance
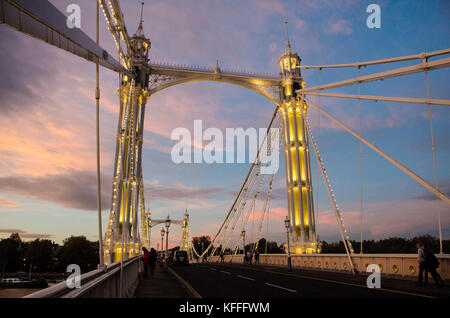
(47, 117)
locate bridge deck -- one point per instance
(235, 280)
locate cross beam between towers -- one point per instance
(410, 173)
(443, 102)
(426, 66)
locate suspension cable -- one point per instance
(434, 162)
(267, 197)
(97, 121)
(237, 211)
(245, 216)
(342, 230)
(360, 165)
(230, 212)
(409, 172)
(317, 172)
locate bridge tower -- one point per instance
(184, 246)
(127, 203)
(298, 171)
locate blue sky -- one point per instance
(47, 148)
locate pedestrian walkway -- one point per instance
(161, 284)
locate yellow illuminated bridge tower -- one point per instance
(298, 170)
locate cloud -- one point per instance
(24, 234)
(47, 113)
(271, 6)
(273, 47)
(300, 24)
(340, 27)
(73, 189)
(76, 189)
(370, 120)
(156, 191)
(8, 203)
(387, 219)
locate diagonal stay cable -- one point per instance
(241, 189)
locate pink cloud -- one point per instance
(8, 203)
(384, 219)
(272, 6)
(340, 27)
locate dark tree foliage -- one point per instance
(390, 245)
(272, 247)
(198, 240)
(11, 254)
(78, 250)
(39, 254)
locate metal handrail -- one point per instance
(88, 280)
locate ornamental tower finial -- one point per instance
(140, 30)
(288, 45)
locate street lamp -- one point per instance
(243, 240)
(149, 227)
(167, 223)
(288, 226)
(163, 232)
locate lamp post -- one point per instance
(288, 226)
(163, 232)
(243, 241)
(167, 223)
(203, 248)
(149, 227)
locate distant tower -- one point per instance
(298, 171)
(185, 236)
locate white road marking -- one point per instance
(245, 277)
(276, 286)
(225, 272)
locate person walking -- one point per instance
(431, 264)
(146, 258)
(422, 265)
(250, 258)
(152, 260)
(256, 257)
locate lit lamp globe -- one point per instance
(167, 222)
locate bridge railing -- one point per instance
(392, 264)
(100, 283)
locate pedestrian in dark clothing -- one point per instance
(152, 260)
(431, 264)
(146, 258)
(250, 258)
(256, 257)
(422, 265)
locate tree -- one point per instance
(39, 253)
(11, 253)
(197, 242)
(78, 250)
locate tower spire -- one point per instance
(142, 11)
(288, 45)
(140, 30)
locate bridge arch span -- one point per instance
(255, 87)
